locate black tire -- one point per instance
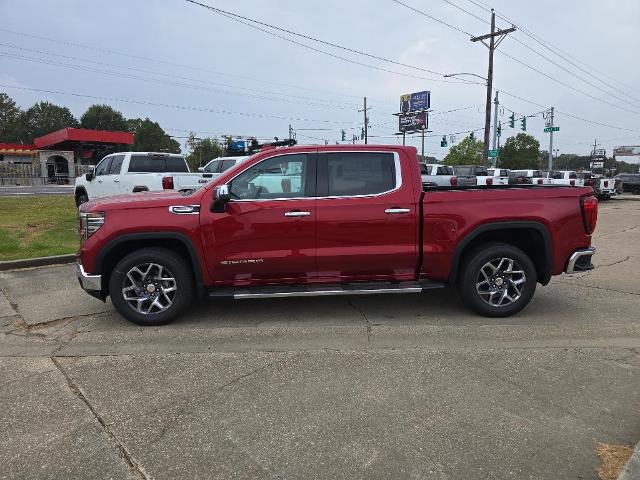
(81, 198)
(471, 278)
(176, 301)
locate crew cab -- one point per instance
(132, 172)
(499, 176)
(331, 220)
(536, 177)
(221, 164)
(566, 177)
(435, 175)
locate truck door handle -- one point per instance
(116, 180)
(397, 210)
(297, 213)
(99, 181)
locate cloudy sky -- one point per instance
(193, 69)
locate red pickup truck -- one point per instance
(331, 220)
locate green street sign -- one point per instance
(493, 153)
(552, 129)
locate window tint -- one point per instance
(275, 177)
(424, 170)
(360, 173)
(572, 175)
(212, 167)
(157, 164)
(464, 170)
(116, 165)
(445, 171)
(227, 164)
(504, 173)
(104, 166)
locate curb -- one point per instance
(37, 262)
(633, 198)
(631, 470)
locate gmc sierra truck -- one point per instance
(133, 172)
(331, 220)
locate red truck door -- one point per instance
(367, 217)
(267, 232)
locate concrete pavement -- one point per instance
(396, 386)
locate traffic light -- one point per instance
(443, 142)
(499, 128)
(344, 135)
(472, 136)
(523, 124)
(512, 120)
(362, 134)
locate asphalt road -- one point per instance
(395, 386)
(36, 190)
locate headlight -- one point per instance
(90, 223)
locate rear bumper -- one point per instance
(580, 260)
(87, 281)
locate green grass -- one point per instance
(38, 226)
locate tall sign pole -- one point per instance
(551, 142)
(494, 146)
(492, 45)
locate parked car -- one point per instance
(603, 188)
(133, 172)
(499, 176)
(357, 221)
(468, 174)
(221, 164)
(536, 177)
(630, 182)
(566, 177)
(435, 175)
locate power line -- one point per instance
(250, 22)
(167, 82)
(180, 77)
(424, 14)
(179, 107)
(165, 62)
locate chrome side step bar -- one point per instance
(285, 291)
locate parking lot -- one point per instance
(394, 386)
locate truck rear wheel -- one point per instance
(497, 280)
(151, 286)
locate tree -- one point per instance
(467, 152)
(9, 115)
(150, 137)
(103, 117)
(520, 152)
(202, 150)
(43, 118)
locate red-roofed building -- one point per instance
(57, 153)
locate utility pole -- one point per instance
(366, 121)
(290, 132)
(496, 103)
(492, 45)
(551, 142)
(422, 144)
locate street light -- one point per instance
(449, 75)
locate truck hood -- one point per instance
(163, 198)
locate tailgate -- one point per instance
(189, 181)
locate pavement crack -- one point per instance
(134, 467)
(189, 401)
(368, 326)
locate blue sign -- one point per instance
(412, 102)
(238, 145)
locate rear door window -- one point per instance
(213, 167)
(227, 164)
(360, 173)
(116, 165)
(157, 164)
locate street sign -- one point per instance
(412, 102)
(552, 129)
(413, 121)
(493, 153)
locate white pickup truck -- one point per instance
(132, 172)
(536, 177)
(436, 175)
(566, 177)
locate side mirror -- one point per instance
(90, 174)
(221, 197)
(201, 169)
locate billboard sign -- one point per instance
(413, 121)
(599, 152)
(629, 151)
(413, 102)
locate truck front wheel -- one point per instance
(151, 286)
(497, 280)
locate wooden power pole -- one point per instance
(492, 45)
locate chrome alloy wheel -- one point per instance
(149, 288)
(500, 282)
